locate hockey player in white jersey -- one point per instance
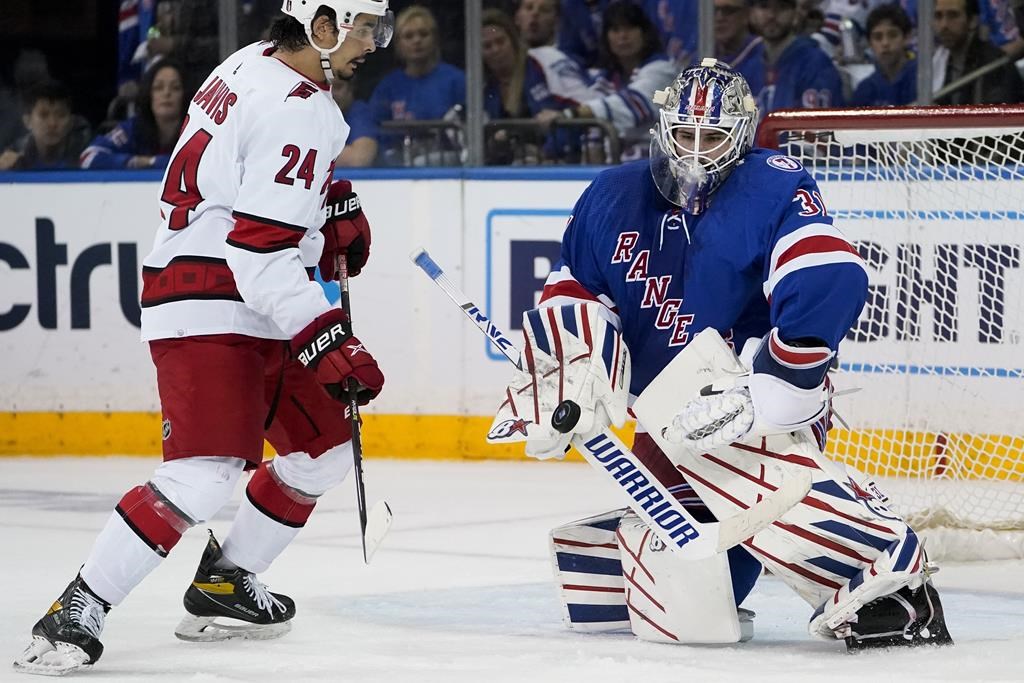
(712, 236)
(245, 343)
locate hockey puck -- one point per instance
(565, 417)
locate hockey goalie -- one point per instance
(668, 267)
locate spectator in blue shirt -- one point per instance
(894, 81)
(796, 72)
(146, 139)
(55, 135)
(361, 145)
(424, 88)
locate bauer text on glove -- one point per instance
(328, 348)
(345, 232)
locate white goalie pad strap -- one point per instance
(588, 572)
(676, 601)
(572, 353)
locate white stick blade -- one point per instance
(378, 523)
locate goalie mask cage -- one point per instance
(933, 198)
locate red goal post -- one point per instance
(934, 199)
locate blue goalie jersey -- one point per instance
(764, 255)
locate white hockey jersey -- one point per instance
(242, 202)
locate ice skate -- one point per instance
(67, 638)
(225, 604)
(906, 618)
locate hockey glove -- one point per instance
(345, 232)
(572, 353)
(785, 391)
(327, 347)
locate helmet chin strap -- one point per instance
(325, 54)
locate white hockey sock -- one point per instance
(118, 562)
(270, 516)
(255, 540)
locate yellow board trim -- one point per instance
(460, 437)
(418, 437)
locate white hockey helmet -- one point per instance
(347, 10)
(712, 99)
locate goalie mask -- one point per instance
(706, 126)
(305, 12)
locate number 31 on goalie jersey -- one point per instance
(811, 203)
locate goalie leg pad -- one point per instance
(675, 601)
(588, 572)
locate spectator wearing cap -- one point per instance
(55, 134)
(894, 81)
(796, 73)
(735, 44)
(961, 50)
(147, 139)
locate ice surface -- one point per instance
(460, 591)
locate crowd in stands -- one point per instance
(561, 77)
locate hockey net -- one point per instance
(934, 199)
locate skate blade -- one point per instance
(43, 659)
(208, 630)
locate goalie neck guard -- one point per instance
(305, 11)
(705, 127)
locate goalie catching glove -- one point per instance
(785, 391)
(572, 353)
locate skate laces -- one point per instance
(265, 600)
(88, 612)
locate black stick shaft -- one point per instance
(341, 265)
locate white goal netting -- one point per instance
(934, 200)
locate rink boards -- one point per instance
(75, 379)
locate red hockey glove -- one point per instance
(327, 347)
(345, 232)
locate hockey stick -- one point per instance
(652, 502)
(375, 525)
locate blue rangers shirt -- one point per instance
(763, 255)
(803, 78)
(876, 90)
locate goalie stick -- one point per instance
(373, 527)
(602, 449)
